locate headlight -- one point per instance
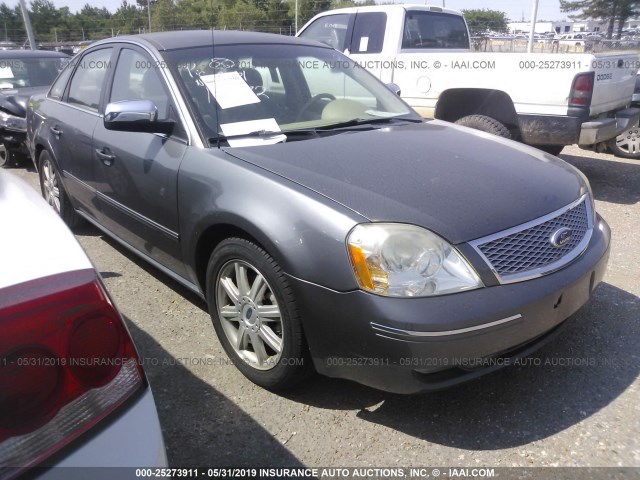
(400, 260)
(11, 122)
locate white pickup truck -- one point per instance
(546, 100)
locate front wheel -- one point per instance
(485, 124)
(627, 144)
(255, 316)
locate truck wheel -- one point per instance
(485, 124)
(551, 149)
(627, 144)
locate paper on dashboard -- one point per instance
(251, 126)
(229, 89)
(6, 72)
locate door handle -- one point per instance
(106, 158)
(56, 131)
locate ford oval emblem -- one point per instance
(561, 237)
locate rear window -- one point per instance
(330, 30)
(434, 30)
(30, 72)
(368, 32)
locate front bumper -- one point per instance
(410, 345)
(14, 140)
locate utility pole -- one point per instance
(296, 24)
(149, 12)
(534, 17)
(55, 31)
(27, 25)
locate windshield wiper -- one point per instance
(263, 133)
(257, 133)
(366, 122)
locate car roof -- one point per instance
(201, 38)
(18, 54)
(388, 7)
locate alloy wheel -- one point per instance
(249, 314)
(50, 185)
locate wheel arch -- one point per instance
(216, 232)
(456, 103)
(39, 148)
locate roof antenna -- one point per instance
(214, 63)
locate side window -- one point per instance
(57, 89)
(88, 79)
(330, 30)
(138, 78)
(434, 30)
(368, 32)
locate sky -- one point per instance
(515, 9)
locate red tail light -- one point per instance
(581, 90)
(66, 362)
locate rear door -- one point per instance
(367, 44)
(72, 114)
(137, 172)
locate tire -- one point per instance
(242, 281)
(627, 144)
(53, 191)
(3, 156)
(551, 149)
(485, 124)
(10, 158)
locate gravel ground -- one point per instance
(550, 414)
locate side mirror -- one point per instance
(394, 87)
(135, 116)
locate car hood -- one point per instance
(15, 101)
(460, 183)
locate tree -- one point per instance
(307, 9)
(45, 17)
(610, 11)
(278, 18)
(127, 19)
(352, 3)
(196, 14)
(243, 15)
(485, 20)
(163, 16)
(11, 23)
(91, 23)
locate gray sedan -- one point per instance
(326, 224)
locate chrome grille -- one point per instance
(517, 252)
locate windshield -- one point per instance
(246, 89)
(31, 72)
